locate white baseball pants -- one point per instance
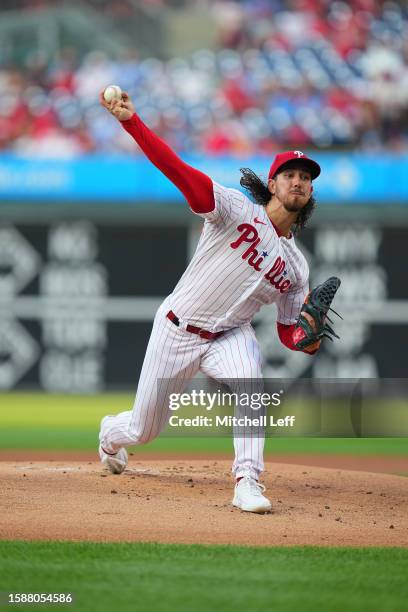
(176, 356)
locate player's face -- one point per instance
(292, 187)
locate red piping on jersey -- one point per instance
(285, 333)
(196, 186)
(277, 230)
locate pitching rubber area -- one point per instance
(189, 501)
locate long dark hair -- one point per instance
(260, 193)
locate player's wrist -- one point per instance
(127, 119)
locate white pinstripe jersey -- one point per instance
(240, 264)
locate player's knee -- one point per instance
(144, 436)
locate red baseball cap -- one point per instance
(283, 158)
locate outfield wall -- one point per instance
(81, 278)
(357, 178)
(78, 297)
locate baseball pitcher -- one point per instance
(246, 257)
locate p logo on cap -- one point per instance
(283, 158)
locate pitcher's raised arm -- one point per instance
(196, 186)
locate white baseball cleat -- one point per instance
(248, 496)
(115, 463)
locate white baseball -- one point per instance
(112, 92)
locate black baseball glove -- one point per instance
(311, 325)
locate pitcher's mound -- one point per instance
(190, 502)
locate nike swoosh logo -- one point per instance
(256, 220)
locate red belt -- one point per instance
(203, 333)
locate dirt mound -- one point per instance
(189, 502)
(392, 464)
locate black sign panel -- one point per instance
(77, 300)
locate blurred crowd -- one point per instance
(295, 73)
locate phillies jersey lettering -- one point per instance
(249, 234)
(277, 273)
(239, 265)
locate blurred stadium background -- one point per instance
(92, 237)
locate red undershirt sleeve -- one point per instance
(196, 186)
(285, 333)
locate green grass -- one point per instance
(64, 422)
(164, 578)
(51, 439)
(70, 411)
